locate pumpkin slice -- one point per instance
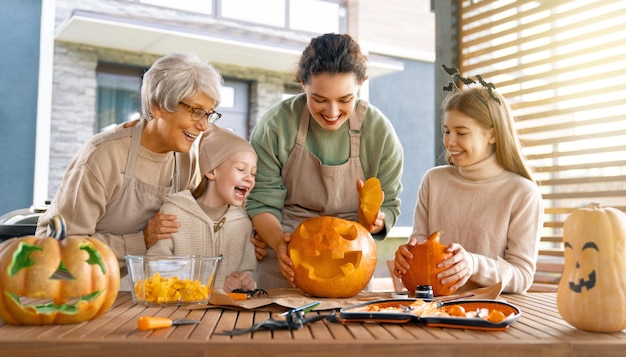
(371, 197)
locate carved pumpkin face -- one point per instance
(592, 291)
(30, 292)
(423, 271)
(332, 257)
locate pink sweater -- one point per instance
(496, 215)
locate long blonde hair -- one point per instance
(476, 103)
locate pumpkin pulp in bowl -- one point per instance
(172, 280)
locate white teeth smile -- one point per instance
(455, 152)
(190, 135)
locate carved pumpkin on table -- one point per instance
(423, 271)
(58, 280)
(592, 291)
(332, 257)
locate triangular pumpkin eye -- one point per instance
(306, 231)
(347, 232)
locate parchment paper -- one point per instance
(279, 300)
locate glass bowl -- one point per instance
(172, 280)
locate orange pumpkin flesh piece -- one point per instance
(332, 257)
(371, 197)
(423, 271)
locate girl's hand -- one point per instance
(260, 250)
(286, 264)
(247, 283)
(459, 267)
(238, 280)
(160, 226)
(401, 264)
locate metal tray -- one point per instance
(348, 314)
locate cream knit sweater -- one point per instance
(95, 177)
(495, 214)
(196, 236)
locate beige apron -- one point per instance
(138, 201)
(314, 189)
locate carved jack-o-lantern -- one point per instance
(332, 257)
(56, 280)
(592, 291)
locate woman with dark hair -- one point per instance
(314, 150)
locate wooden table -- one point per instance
(540, 331)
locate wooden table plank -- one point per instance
(245, 319)
(539, 331)
(262, 335)
(338, 331)
(226, 323)
(319, 330)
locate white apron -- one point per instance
(137, 203)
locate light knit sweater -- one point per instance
(496, 215)
(95, 177)
(196, 236)
(274, 137)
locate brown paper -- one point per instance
(288, 298)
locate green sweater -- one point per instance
(274, 137)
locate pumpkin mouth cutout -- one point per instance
(26, 256)
(588, 284)
(327, 272)
(49, 306)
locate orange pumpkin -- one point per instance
(423, 271)
(332, 257)
(56, 280)
(371, 197)
(592, 292)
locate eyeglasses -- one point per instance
(199, 114)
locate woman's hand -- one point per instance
(378, 225)
(160, 226)
(238, 280)
(286, 264)
(459, 266)
(260, 250)
(401, 264)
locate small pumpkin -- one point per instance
(332, 257)
(426, 255)
(371, 197)
(56, 280)
(592, 291)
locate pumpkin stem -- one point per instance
(594, 205)
(57, 227)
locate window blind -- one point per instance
(562, 67)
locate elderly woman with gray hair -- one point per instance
(114, 186)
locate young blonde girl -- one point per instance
(485, 201)
(212, 220)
